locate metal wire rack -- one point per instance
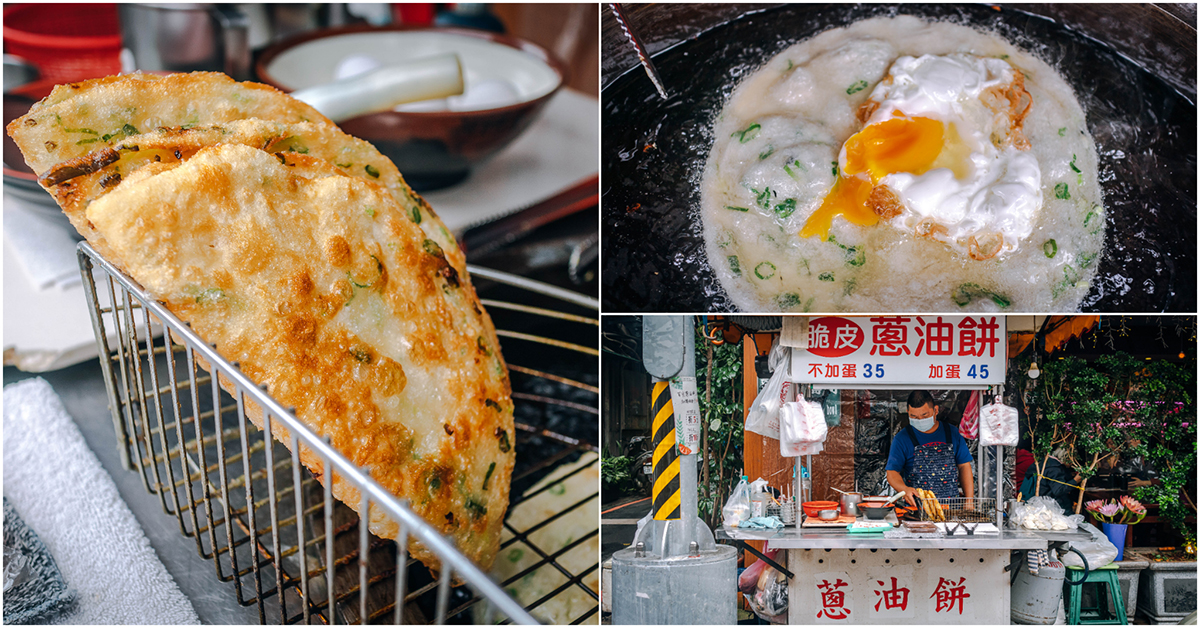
(270, 528)
(957, 509)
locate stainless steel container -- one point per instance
(850, 502)
(187, 37)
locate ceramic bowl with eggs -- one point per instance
(507, 82)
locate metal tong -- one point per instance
(643, 56)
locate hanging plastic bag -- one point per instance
(802, 428)
(778, 355)
(998, 425)
(737, 507)
(764, 414)
(766, 590)
(968, 428)
(1099, 551)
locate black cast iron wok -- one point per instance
(653, 151)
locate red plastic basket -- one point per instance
(67, 42)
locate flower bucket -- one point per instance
(1116, 535)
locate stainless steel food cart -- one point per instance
(835, 576)
(838, 576)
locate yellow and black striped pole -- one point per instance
(666, 457)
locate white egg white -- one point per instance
(997, 189)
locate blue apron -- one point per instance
(933, 466)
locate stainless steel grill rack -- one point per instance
(271, 529)
(957, 509)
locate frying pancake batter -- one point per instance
(901, 165)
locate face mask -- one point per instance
(923, 425)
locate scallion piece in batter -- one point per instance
(1050, 248)
(735, 266)
(762, 267)
(857, 87)
(827, 276)
(763, 198)
(797, 165)
(968, 292)
(766, 153)
(1062, 192)
(786, 208)
(787, 300)
(488, 475)
(737, 209)
(748, 133)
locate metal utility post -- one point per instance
(674, 572)
(669, 353)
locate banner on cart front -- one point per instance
(902, 352)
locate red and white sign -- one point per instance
(903, 350)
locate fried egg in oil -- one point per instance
(903, 165)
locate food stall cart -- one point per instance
(839, 576)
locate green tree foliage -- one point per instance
(1165, 407)
(1115, 406)
(719, 384)
(614, 471)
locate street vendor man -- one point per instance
(929, 454)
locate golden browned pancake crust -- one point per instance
(301, 253)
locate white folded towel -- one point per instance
(57, 484)
(44, 247)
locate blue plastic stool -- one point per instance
(1107, 586)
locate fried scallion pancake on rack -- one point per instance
(304, 257)
(320, 287)
(560, 498)
(82, 118)
(161, 149)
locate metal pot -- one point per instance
(187, 37)
(1138, 91)
(827, 515)
(850, 502)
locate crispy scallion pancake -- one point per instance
(572, 536)
(77, 119)
(319, 285)
(163, 147)
(302, 255)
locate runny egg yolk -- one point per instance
(899, 144)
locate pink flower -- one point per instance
(1110, 509)
(1133, 505)
(1094, 505)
